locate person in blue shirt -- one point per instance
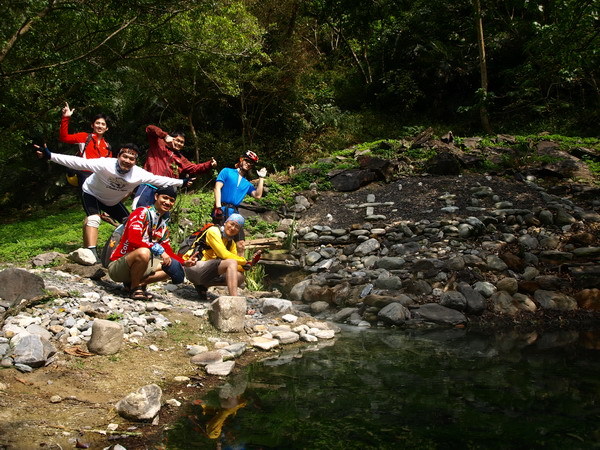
(232, 186)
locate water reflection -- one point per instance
(392, 389)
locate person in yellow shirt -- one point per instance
(220, 264)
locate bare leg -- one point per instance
(137, 261)
(90, 236)
(228, 267)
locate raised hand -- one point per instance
(66, 111)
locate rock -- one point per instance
(313, 293)
(502, 302)
(524, 303)
(366, 247)
(227, 313)
(297, 291)
(83, 256)
(318, 307)
(390, 263)
(476, 303)
(554, 300)
(485, 288)
(495, 263)
(208, 357)
(394, 314)
(454, 300)
(286, 337)
(351, 180)
(264, 343)
(388, 283)
(33, 350)
(588, 299)
(312, 257)
(276, 306)
(443, 163)
(432, 312)
(46, 259)
(380, 301)
(222, 369)
(418, 287)
(508, 284)
(142, 405)
(19, 284)
(107, 337)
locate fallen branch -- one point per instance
(26, 303)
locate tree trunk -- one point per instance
(483, 113)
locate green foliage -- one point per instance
(292, 80)
(279, 195)
(593, 165)
(255, 226)
(114, 316)
(55, 228)
(255, 278)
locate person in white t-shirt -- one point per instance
(112, 180)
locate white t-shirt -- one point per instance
(106, 184)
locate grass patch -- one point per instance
(60, 231)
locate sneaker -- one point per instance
(95, 252)
(202, 292)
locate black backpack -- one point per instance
(195, 242)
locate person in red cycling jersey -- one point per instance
(91, 145)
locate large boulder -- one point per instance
(19, 284)
(227, 313)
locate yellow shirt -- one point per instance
(220, 247)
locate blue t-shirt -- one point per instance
(232, 192)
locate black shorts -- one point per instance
(91, 206)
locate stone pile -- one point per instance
(90, 317)
(487, 256)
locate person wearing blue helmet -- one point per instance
(219, 262)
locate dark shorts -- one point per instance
(91, 206)
(205, 273)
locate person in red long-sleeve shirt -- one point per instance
(165, 158)
(91, 145)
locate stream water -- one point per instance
(382, 389)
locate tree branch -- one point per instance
(24, 29)
(77, 58)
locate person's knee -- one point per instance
(93, 221)
(175, 271)
(140, 254)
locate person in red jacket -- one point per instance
(91, 145)
(144, 254)
(165, 158)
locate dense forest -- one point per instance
(290, 79)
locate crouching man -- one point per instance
(144, 254)
(220, 265)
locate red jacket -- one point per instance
(161, 160)
(137, 234)
(96, 148)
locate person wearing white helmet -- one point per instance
(219, 262)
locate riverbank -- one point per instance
(462, 250)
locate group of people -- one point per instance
(144, 254)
